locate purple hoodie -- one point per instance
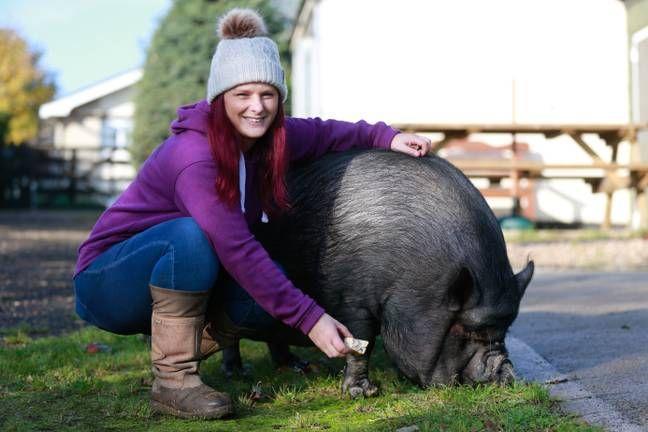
(178, 179)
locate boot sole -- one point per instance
(221, 412)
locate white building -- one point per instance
(476, 62)
(97, 122)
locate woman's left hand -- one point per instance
(411, 144)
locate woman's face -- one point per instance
(251, 108)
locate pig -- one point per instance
(402, 247)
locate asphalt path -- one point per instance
(593, 328)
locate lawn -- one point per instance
(53, 383)
(570, 235)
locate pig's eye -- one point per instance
(487, 335)
(479, 334)
(472, 333)
(458, 330)
(465, 332)
(476, 333)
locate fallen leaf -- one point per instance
(94, 348)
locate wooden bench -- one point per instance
(604, 176)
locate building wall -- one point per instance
(85, 125)
(103, 127)
(469, 61)
(637, 12)
(434, 61)
(637, 15)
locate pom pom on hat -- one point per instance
(245, 54)
(241, 23)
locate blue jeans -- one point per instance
(113, 292)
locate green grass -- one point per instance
(53, 384)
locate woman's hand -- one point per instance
(411, 144)
(326, 336)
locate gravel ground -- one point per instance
(37, 256)
(38, 251)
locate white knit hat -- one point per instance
(244, 55)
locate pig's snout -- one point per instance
(490, 366)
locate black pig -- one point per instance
(403, 247)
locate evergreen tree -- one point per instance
(178, 61)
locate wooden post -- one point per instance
(613, 141)
(515, 180)
(638, 181)
(576, 136)
(642, 198)
(72, 173)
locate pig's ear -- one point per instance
(523, 278)
(463, 292)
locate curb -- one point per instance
(531, 366)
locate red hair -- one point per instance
(273, 157)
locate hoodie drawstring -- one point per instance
(242, 179)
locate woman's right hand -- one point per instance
(325, 334)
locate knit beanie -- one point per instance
(244, 55)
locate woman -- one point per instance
(153, 256)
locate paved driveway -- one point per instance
(593, 327)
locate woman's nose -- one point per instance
(256, 105)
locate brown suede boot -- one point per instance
(211, 343)
(176, 331)
(212, 339)
(219, 332)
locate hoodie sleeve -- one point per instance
(239, 252)
(309, 139)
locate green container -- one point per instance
(519, 223)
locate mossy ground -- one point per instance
(53, 384)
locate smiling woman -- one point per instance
(251, 108)
(184, 228)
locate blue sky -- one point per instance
(85, 41)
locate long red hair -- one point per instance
(273, 157)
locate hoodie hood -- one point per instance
(191, 117)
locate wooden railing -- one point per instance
(605, 176)
(44, 175)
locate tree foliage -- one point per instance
(23, 88)
(178, 61)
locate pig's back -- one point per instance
(385, 211)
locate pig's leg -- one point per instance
(356, 380)
(282, 357)
(232, 363)
(356, 374)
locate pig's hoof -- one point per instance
(296, 364)
(236, 371)
(302, 366)
(362, 387)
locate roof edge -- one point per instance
(62, 107)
